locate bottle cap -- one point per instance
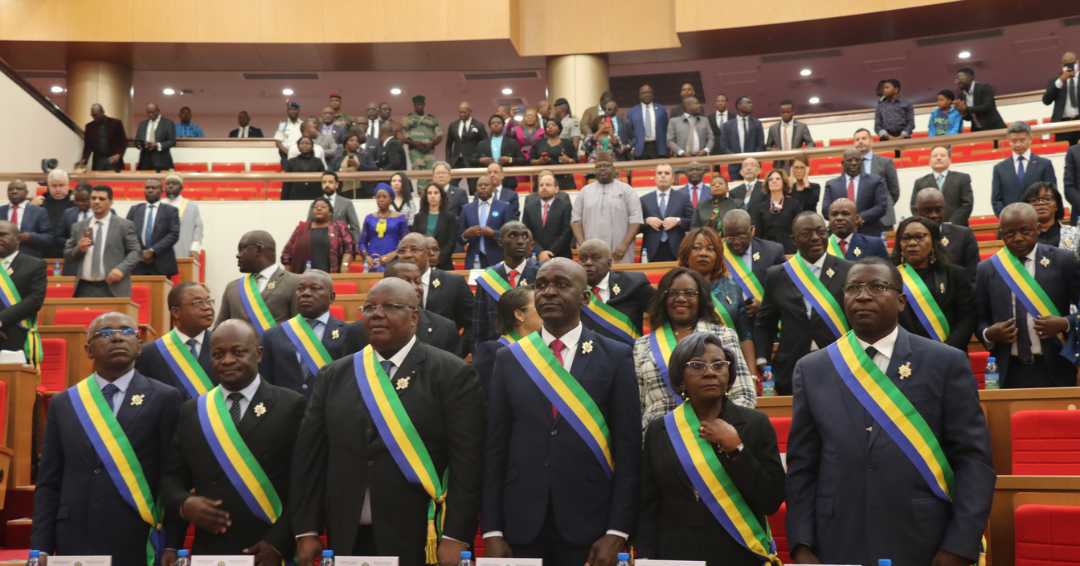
(328, 554)
(991, 359)
(768, 368)
(884, 562)
(466, 555)
(35, 553)
(182, 553)
(624, 556)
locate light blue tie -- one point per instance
(940, 181)
(663, 215)
(867, 162)
(809, 309)
(483, 224)
(147, 240)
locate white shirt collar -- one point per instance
(425, 277)
(121, 382)
(820, 263)
(603, 284)
(398, 358)
(885, 345)
(945, 173)
(519, 268)
(570, 339)
(791, 123)
(269, 271)
(848, 238)
(1027, 156)
(198, 337)
(248, 392)
(324, 318)
(11, 257)
(1034, 253)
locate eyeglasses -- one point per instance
(740, 238)
(699, 367)
(919, 238)
(199, 303)
(875, 288)
(389, 309)
(675, 293)
(110, 333)
(1041, 200)
(242, 247)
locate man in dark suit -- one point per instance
(463, 137)
(548, 220)
(1062, 92)
(80, 198)
(35, 231)
(103, 249)
(478, 229)
(106, 140)
(788, 134)
(78, 507)
(434, 330)
(853, 493)
(332, 129)
(759, 255)
(345, 477)
(874, 164)
(667, 217)
(282, 363)
(628, 292)
(55, 201)
(1020, 170)
(392, 154)
(954, 186)
(843, 222)
(650, 123)
(784, 303)
(445, 294)
(958, 240)
(245, 130)
(517, 269)
(744, 134)
(866, 191)
(718, 118)
(750, 192)
(546, 495)
(155, 137)
(257, 256)
(191, 311)
(976, 102)
(509, 155)
(266, 419)
(1071, 181)
(30, 279)
(158, 227)
(695, 189)
(1026, 344)
(504, 192)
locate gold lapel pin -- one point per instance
(858, 252)
(335, 334)
(942, 287)
(260, 410)
(905, 371)
(616, 290)
(586, 347)
(757, 256)
(137, 400)
(1045, 262)
(944, 241)
(402, 384)
(830, 273)
(271, 285)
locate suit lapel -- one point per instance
(581, 360)
(272, 283)
(409, 367)
(131, 407)
(329, 339)
(252, 417)
(433, 289)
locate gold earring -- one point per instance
(932, 260)
(682, 393)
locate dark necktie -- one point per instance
(1071, 87)
(1023, 339)
(191, 344)
(147, 236)
(234, 409)
(867, 419)
(1020, 170)
(108, 391)
(387, 366)
(557, 347)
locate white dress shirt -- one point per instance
(1069, 111)
(848, 179)
(85, 271)
(969, 96)
(262, 278)
(122, 383)
(744, 125)
(1016, 161)
(242, 131)
(520, 269)
(605, 292)
(648, 117)
(247, 392)
(1029, 324)
(884, 349)
(288, 133)
(198, 340)
(425, 280)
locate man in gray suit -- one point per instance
(954, 186)
(155, 137)
(342, 207)
(111, 245)
(874, 164)
(788, 134)
(680, 143)
(257, 255)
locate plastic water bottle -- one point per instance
(768, 386)
(476, 262)
(884, 562)
(534, 257)
(466, 559)
(56, 269)
(991, 375)
(644, 255)
(327, 558)
(182, 558)
(34, 558)
(307, 266)
(624, 559)
(884, 238)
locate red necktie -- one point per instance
(596, 291)
(851, 189)
(15, 214)
(843, 247)
(693, 195)
(543, 221)
(513, 278)
(556, 348)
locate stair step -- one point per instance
(18, 532)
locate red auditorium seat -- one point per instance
(985, 237)
(198, 194)
(1050, 148)
(76, 318)
(1047, 535)
(345, 288)
(266, 167)
(983, 256)
(337, 311)
(782, 426)
(234, 194)
(140, 294)
(53, 365)
(191, 167)
(779, 533)
(978, 366)
(60, 292)
(654, 278)
(1045, 443)
(227, 167)
(358, 267)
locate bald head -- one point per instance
(1021, 212)
(738, 231)
(574, 269)
(235, 330)
(398, 290)
(930, 204)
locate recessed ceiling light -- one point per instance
(965, 54)
(169, 92)
(815, 100)
(508, 91)
(57, 88)
(395, 91)
(805, 72)
(518, 118)
(287, 91)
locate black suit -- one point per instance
(432, 329)
(340, 454)
(445, 233)
(486, 308)
(632, 300)
(763, 255)
(959, 199)
(728, 115)
(460, 149)
(451, 298)
(163, 237)
(555, 235)
(253, 132)
(783, 305)
(165, 135)
(63, 233)
(31, 280)
(1059, 97)
(391, 156)
(961, 244)
(983, 114)
(77, 507)
(152, 364)
(951, 288)
(280, 366)
(192, 464)
(757, 196)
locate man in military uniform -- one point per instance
(341, 117)
(288, 131)
(422, 134)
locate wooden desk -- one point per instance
(363, 281)
(119, 304)
(21, 383)
(351, 304)
(159, 300)
(189, 268)
(79, 365)
(1013, 491)
(775, 406)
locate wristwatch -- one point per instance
(738, 450)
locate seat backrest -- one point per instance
(654, 278)
(978, 366)
(54, 364)
(782, 425)
(59, 291)
(337, 311)
(76, 317)
(1046, 443)
(345, 287)
(140, 294)
(1047, 534)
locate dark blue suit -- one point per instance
(77, 508)
(1060, 279)
(729, 142)
(678, 206)
(632, 300)
(866, 247)
(485, 309)
(703, 195)
(635, 116)
(854, 495)
(510, 196)
(534, 462)
(34, 221)
(281, 367)
(1006, 188)
(63, 232)
(163, 237)
(152, 364)
(871, 200)
(498, 215)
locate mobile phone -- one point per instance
(1071, 66)
(545, 154)
(87, 233)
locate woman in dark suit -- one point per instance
(918, 251)
(808, 194)
(516, 319)
(436, 221)
(552, 148)
(306, 162)
(774, 217)
(509, 151)
(675, 523)
(711, 212)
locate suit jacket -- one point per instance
(434, 330)
(392, 156)
(77, 507)
(1059, 97)
(728, 115)
(554, 236)
(534, 462)
(632, 300)
(635, 115)
(862, 246)
(449, 296)
(122, 251)
(496, 217)
(1071, 181)
(959, 198)
(341, 454)
(800, 137)
(1006, 188)
(63, 232)
(678, 135)
(445, 233)
(461, 149)
(280, 365)
(960, 242)
(457, 198)
(253, 132)
(509, 148)
(951, 287)
(35, 221)
(485, 309)
(345, 212)
(1058, 273)
(833, 463)
(165, 136)
(115, 139)
(729, 142)
(281, 300)
(678, 206)
(192, 465)
(510, 196)
(783, 305)
(871, 200)
(29, 274)
(152, 364)
(767, 255)
(166, 232)
(704, 193)
(757, 196)
(983, 114)
(885, 168)
(703, 214)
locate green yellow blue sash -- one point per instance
(814, 291)
(924, 304)
(234, 457)
(509, 338)
(611, 320)
(725, 315)
(493, 283)
(257, 311)
(834, 247)
(743, 275)
(1023, 285)
(183, 364)
(309, 347)
(402, 440)
(10, 296)
(111, 444)
(893, 412)
(661, 343)
(714, 485)
(567, 395)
